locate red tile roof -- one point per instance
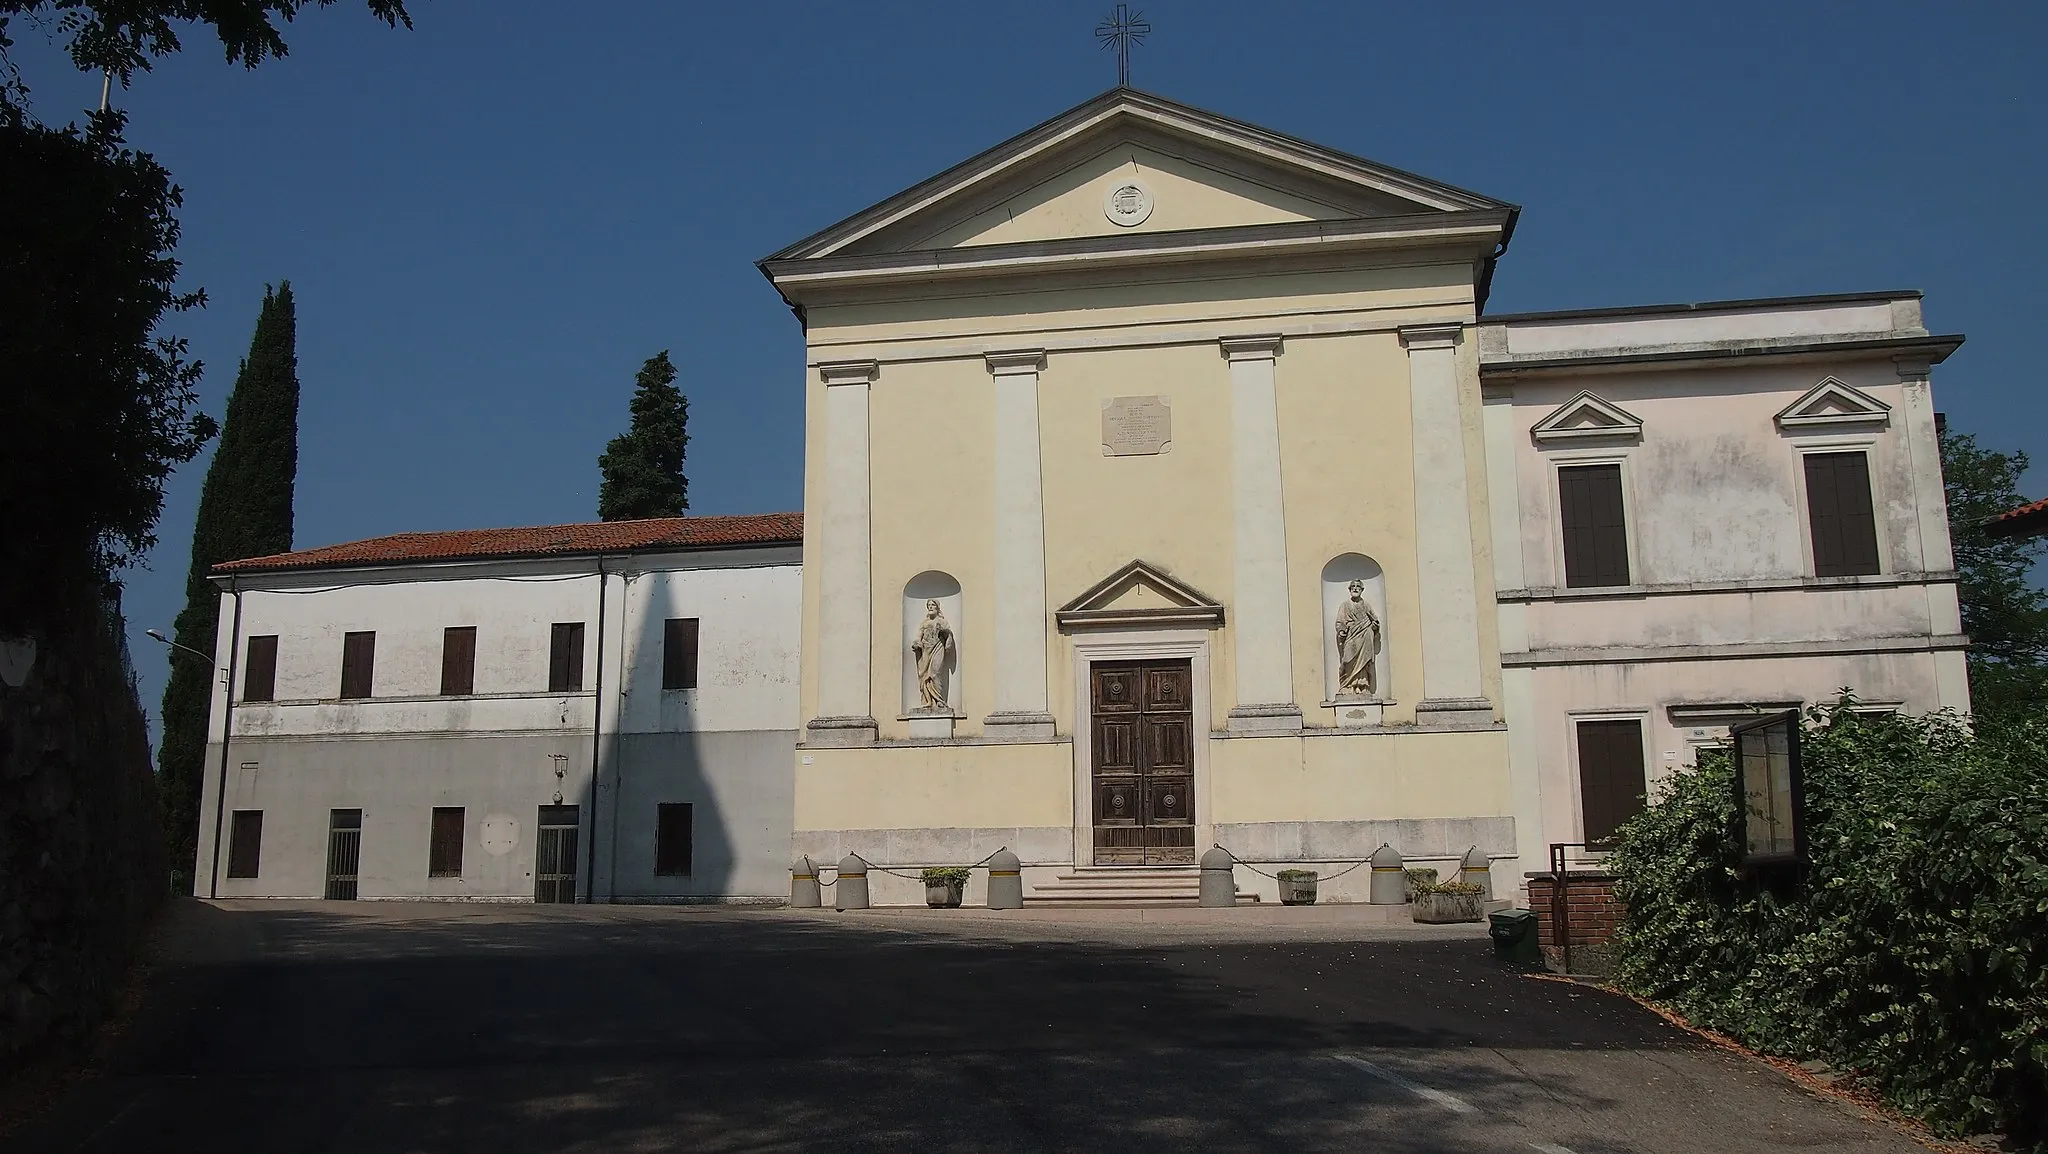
(653, 534)
(2028, 520)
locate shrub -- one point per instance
(1914, 956)
(1449, 888)
(945, 875)
(1296, 875)
(1419, 881)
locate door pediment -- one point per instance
(1140, 596)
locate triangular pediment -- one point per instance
(1833, 402)
(1071, 179)
(1140, 595)
(1587, 417)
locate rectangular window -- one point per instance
(1595, 533)
(259, 674)
(245, 843)
(1610, 776)
(358, 658)
(679, 653)
(444, 847)
(458, 661)
(673, 831)
(565, 657)
(1839, 514)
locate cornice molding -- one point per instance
(1434, 336)
(1015, 363)
(849, 372)
(1264, 347)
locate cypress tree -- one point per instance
(245, 510)
(643, 467)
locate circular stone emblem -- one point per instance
(1128, 204)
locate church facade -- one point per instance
(1168, 486)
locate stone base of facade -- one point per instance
(939, 845)
(1018, 726)
(1455, 713)
(832, 731)
(1278, 717)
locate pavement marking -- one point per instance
(1451, 1102)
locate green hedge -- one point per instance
(1914, 957)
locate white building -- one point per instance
(1701, 512)
(419, 715)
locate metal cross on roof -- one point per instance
(1121, 29)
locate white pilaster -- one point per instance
(845, 599)
(1451, 686)
(1020, 612)
(1259, 629)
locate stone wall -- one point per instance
(82, 864)
(1589, 918)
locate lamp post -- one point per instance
(151, 633)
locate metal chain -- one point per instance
(919, 878)
(1236, 860)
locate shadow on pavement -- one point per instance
(515, 1029)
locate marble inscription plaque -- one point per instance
(1136, 426)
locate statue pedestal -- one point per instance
(1358, 712)
(929, 725)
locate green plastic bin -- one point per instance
(1514, 937)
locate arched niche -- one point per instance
(1338, 575)
(931, 585)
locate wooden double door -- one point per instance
(1143, 763)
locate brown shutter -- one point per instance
(1839, 514)
(444, 846)
(679, 653)
(1595, 532)
(245, 843)
(1610, 776)
(259, 675)
(673, 832)
(565, 657)
(358, 661)
(458, 660)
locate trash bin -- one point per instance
(1514, 937)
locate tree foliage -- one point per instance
(2004, 613)
(122, 36)
(643, 467)
(245, 510)
(98, 407)
(1914, 957)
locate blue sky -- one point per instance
(491, 220)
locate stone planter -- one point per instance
(1297, 887)
(1439, 909)
(943, 895)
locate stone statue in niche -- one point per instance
(1358, 641)
(933, 642)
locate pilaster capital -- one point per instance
(1914, 366)
(1259, 348)
(1436, 336)
(1015, 362)
(849, 372)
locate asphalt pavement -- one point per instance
(371, 1027)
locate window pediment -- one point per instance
(1831, 403)
(1584, 418)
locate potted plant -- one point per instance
(943, 886)
(1445, 902)
(1419, 881)
(1297, 887)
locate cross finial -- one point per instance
(1119, 30)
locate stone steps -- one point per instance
(1123, 885)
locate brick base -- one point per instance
(1591, 914)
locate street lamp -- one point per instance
(206, 657)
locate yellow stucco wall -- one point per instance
(1376, 777)
(935, 786)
